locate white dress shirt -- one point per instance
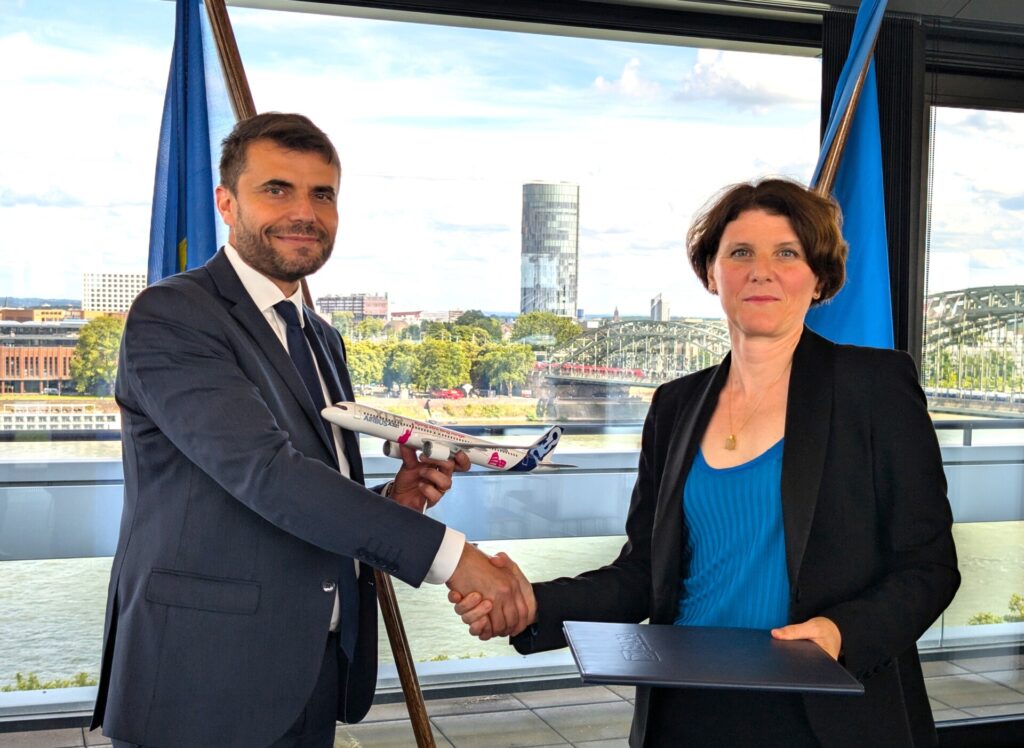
(265, 294)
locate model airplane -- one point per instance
(440, 443)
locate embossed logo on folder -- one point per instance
(635, 649)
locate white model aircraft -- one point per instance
(439, 443)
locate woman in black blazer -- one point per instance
(865, 560)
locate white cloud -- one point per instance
(745, 80)
(630, 83)
(976, 235)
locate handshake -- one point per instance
(491, 595)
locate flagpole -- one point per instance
(244, 107)
(230, 60)
(830, 167)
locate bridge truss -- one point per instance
(973, 347)
(645, 352)
(974, 340)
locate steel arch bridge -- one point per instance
(974, 348)
(973, 341)
(639, 352)
(973, 314)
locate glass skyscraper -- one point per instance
(550, 253)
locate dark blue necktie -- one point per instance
(301, 356)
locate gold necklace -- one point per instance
(730, 440)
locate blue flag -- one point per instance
(861, 313)
(183, 232)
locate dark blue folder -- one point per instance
(703, 657)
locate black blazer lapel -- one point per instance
(808, 423)
(245, 311)
(669, 533)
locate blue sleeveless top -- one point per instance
(737, 572)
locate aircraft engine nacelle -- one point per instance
(393, 449)
(436, 451)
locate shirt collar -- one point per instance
(264, 292)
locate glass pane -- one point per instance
(973, 375)
(453, 141)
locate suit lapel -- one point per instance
(808, 423)
(248, 315)
(668, 539)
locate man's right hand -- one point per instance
(496, 583)
(475, 609)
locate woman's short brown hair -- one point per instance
(816, 220)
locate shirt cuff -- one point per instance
(447, 557)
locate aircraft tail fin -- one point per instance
(539, 449)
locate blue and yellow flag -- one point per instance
(182, 232)
(861, 313)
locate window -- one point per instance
(973, 372)
(440, 129)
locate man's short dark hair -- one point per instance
(816, 220)
(293, 132)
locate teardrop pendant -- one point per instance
(730, 441)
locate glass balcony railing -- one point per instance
(60, 505)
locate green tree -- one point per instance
(436, 330)
(368, 329)
(476, 318)
(545, 323)
(412, 332)
(400, 362)
(94, 362)
(442, 364)
(343, 322)
(507, 365)
(365, 360)
(476, 335)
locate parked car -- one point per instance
(449, 394)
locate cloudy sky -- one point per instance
(438, 128)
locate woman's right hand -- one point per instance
(474, 609)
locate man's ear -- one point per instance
(227, 205)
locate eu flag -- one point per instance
(861, 313)
(182, 231)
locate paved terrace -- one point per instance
(975, 685)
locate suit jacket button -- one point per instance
(328, 585)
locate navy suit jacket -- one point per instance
(867, 529)
(236, 526)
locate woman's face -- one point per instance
(761, 274)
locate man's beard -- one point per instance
(257, 252)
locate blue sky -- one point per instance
(438, 127)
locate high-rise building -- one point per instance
(550, 251)
(362, 305)
(111, 292)
(659, 309)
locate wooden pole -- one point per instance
(244, 107)
(403, 660)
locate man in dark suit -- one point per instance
(241, 607)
